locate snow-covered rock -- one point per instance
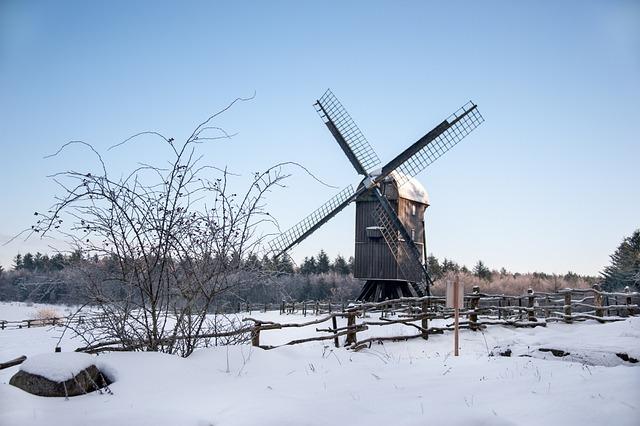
(59, 375)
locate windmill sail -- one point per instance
(434, 144)
(347, 134)
(308, 225)
(400, 243)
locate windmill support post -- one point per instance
(597, 300)
(351, 327)
(531, 305)
(456, 319)
(425, 319)
(474, 303)
(567, 307)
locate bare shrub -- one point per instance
(164, 242)
(46, 314)
(511, 284)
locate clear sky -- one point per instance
(548, 183)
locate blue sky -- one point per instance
(549, 182)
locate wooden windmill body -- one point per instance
(388, 272)
(390, 203)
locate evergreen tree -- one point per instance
(284, 264)
(17, 262)
(434, 268)
(449, 265)
(266, 263)
(253, 262)
(309, 266)
(57, 262)
(340, 266)
(324, 264)
(624, 269)
(481, 271)
(28, 263)
(351, 262)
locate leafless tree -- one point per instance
(165, 242)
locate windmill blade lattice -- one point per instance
(333, 114)
(312, 222)
(462, 122)
(398, 244)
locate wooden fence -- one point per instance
(480, 310)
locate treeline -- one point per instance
(43, 263)
(320, 264)
(42, 278)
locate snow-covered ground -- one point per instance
(408, 383)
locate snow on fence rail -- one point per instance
(480, 309)
(529, 310)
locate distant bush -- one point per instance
(514, 284)
(46, 314)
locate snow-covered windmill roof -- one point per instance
(411, 189)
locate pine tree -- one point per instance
(28, 263)
(351, 262)
(324, 264)
(449, 265)
(266, 263)
(340, 266)
(285, 265)
(434, 268)
(624, 269)
(17, 262)
(309, 266)
(481, 271)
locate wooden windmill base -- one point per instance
(380, 290)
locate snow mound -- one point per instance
(58, 367)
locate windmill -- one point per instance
(390, 202)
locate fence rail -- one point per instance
(532, 309)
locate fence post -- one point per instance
(334, 322)
(282, 308)
(351, 333)
(567, 306)
(530, 305)
(597, 300)
(255, 335)
(629, 308)
(425, 320)
(475, 301)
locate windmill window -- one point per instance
(413, 209)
